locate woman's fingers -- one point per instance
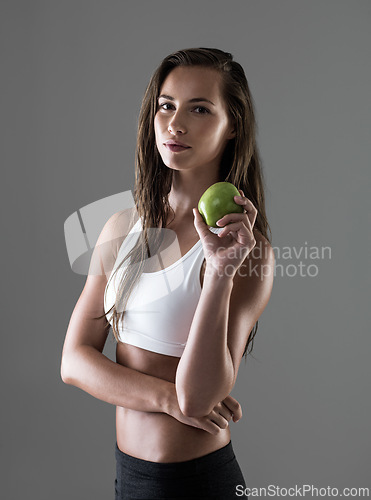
(244, 236)
(234, 407)
(250, 209)
(234, 217)
(199, 223)
(226, 410)
(211, 427)
(219, 419)
(234, 225)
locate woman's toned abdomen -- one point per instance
(156, 436)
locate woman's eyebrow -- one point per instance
(195, 99)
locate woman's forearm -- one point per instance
(91, 371)
(94, 373)
(205, 372)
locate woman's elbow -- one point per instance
(65, 370)
(190, 407)
(64, 375)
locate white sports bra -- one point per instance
(160, 308)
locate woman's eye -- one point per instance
(204, 110)
(165, 104)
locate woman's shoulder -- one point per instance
(263, 250)
(114, 232)
(123, 219)
(119, 225)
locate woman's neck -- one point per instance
(186, 190)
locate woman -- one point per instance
(178, 351)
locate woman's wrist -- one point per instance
(169, 403)
(216, 278)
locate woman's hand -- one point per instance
(216, 420)
(225, 252)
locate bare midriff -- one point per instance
(156, 436)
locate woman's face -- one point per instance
(203, 126)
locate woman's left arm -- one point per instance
(236, 288)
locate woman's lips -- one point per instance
(175, 149)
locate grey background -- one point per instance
(73, 76)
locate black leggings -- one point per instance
(215, 475)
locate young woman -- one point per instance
(183, 321)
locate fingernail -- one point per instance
(219, 222)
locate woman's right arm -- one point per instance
(91, 371)
(85, 366)
(83, 363)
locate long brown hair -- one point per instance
(240, 164)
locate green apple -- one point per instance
(217, 201)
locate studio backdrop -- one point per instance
(73, 77)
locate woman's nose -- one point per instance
(177, 125)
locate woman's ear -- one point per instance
(232, 134)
